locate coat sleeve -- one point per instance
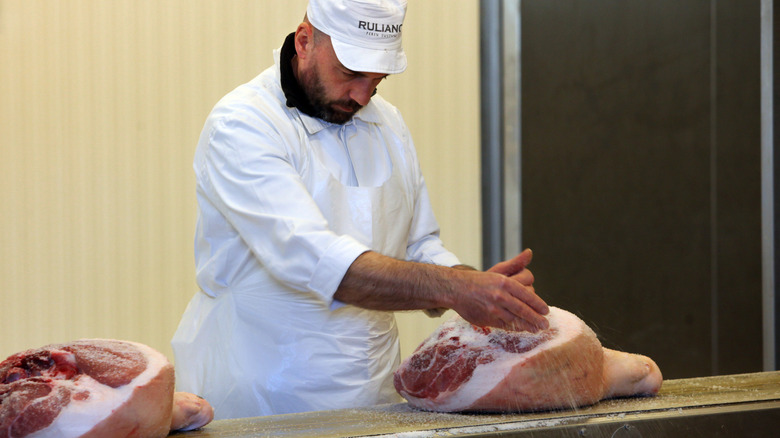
(247, 176)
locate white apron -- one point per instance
(266, 349)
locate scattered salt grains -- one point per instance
(429, 424)
(482, 429)
(111, 351)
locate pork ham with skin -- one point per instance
(462, 367)
(94, 388)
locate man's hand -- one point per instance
(515, 268)
(501, 300)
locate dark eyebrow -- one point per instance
(359, 73)
(382, 77)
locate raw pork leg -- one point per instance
(461, 367)
(94, 388)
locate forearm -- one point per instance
(495, 299)
(377, 282)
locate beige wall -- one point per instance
(101, 105)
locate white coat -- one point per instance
(286, 204)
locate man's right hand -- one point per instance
(495, 300)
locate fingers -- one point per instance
(514, 265)
(504, 301)
(516, 307)
(525, 277)
(500, 317)
(527, 295)
(511, 322)
(527, 307)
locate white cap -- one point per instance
(366, 34)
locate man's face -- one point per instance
(335, 92)
(333, 110)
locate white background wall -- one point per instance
(101, 105)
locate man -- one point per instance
(314, 223)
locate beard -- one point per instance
(324, 108)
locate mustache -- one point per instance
(351, 104)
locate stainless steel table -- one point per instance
(734, 405)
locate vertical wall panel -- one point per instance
(641, 166)
(101, 106)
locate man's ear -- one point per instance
(304, 40)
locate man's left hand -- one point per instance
(516, 268)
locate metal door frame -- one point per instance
(769, 189)
(500, 124)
